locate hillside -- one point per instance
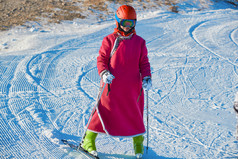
(18, 12)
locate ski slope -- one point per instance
(49, 84)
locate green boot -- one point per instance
(138, 145)
(89, 142)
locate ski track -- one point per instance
(49, 96)
(212, 40)
(233, 36)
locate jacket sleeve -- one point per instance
(104, 56)
(144, 61)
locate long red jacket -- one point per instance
(120, 113)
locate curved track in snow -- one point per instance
(214, 40)
(50, 95)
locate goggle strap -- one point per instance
(118, 19)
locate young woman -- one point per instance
(124, 66)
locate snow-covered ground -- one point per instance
(49, 84)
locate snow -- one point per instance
(49, 84)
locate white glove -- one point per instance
(107, 77)
(147, 84)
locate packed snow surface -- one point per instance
(49, 85)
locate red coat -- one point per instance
(120, 113)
